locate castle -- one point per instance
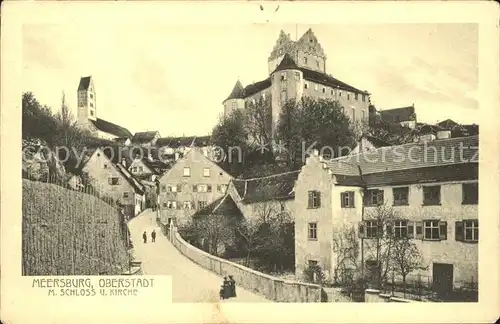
(297, 69)
(87, 114)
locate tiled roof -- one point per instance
(110, 128)
(397, 163)
(143, 137)
(287, 63)
(175, 142)
(377, 142)
(256, 87)
(325, 79)
(157, 167)
(120, 140)
(224, 205)
(448, 124)
(138, 186)
(84, 83)
(237, 92)
(453, 172)
(278, 186)
(398, 114)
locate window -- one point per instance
(203, 188)
(314, 199)
(164, 205)
(283, 76)
(373, 229)
(91, 112)
(125, 195)
(374, 197)
(316, 87)
(401, 229)
(469, 193)
(263, 96)
(281, 50)
(219, 188)
(432, 195)
(134, 169)
(202, 204)
(340, 93)
(363, 97)
(355, 96)
(234, 105)
(187, 172)
(347, 199)
(353, 114)
(105, 165)
(348, 96)
(317, 64)
(324, 89)
(297, 76)
(141, 169)
(171, 204)
(209, 188)
(91, 96)
(306, 85)
(206, 172)
(188, 205)
(92, 105)
(195, 188)
(305, 60)
(467, 230)
(332, 91)
(113, 181)
(283, 96)
(400, 196)
(435, 230)
(312, 263)
(313, 231)
(363, 115)
(179, 188)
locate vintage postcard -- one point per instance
(249, 162)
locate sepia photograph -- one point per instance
(276, 162)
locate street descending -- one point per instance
(190, 282)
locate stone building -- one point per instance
(87, 114)
(431, 189)
(297, 69)
(191, 184)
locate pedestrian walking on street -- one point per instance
(145, 237)
(153, 236)
(232, 284)
(226, 288)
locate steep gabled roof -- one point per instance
(110, 128)
(84, 83)
(135, 183)
(256, 87)
(448, 124)
(277, 186)
(237, 92)
(328, 80)
(224, 205)
(143, 137)
(398, 114)
(287, 63)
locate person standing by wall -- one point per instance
(153, 236)
(145, 237)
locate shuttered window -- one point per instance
(432, 195)
(400, 196)
(467, 230)
(347, 199)
(470, 193)
(313, 231)
(435, 230)
(374, 197)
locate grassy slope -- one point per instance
(68, 232)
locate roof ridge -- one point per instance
(269, 176)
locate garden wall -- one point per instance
(374, 296)
(268, 286)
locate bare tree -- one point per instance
(405, 258)
(346, 249)
(214, 230)
(258, 120)
(249, 231)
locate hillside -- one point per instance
(68, 232)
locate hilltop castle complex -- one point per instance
(297, 69)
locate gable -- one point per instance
(139, 163)
(196, 161)
(310, 44)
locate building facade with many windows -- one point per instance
(426, 192)
(193, 182)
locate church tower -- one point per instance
(87, 108)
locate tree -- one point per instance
(314, 123)
(380, 244)
(250, 236)
(215, 231)
(230, 136)
(258, 121)
(346, 250)
(405, 258)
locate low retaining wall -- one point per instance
(374, 296)
(268, 286)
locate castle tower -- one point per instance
(235, 100)
(87, 108)
(287, 83)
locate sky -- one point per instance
(173, 78)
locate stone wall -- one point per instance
(374, 296)
(270, 287)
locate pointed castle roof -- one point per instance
(287, 63)
(237, 92)
(84, 83)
